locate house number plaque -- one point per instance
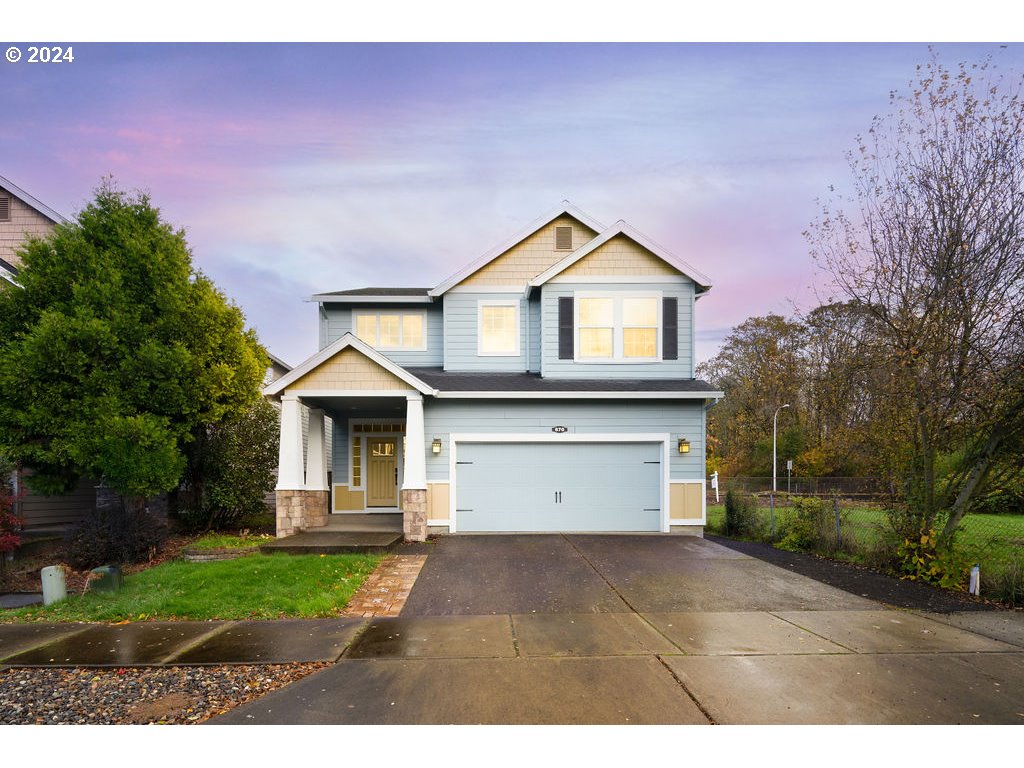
(559, 429)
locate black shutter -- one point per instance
(670, 328)
(565, 328)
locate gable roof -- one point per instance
(622, 228)
(332, 349)
(8, 272)
(566, 208)
(31, 202)
(387, 295)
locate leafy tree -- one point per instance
(117, 353)
(931, 250)
(759, 369)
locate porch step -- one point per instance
(335, 543)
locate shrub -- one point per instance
(920, 557)
(231, 470)
(741, 514)
(812, 526)
(1007, 584)
(115, 536)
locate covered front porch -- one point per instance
(378, 463)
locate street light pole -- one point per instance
(775, 421)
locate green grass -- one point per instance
(229, 541)
(993, 539)
(254, 587)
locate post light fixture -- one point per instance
(435, 447)
(775, 430)
(684, 445)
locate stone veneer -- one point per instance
(299, 510)
(414, 514)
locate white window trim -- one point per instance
(399, 313)
(480, 305)
(618, 346)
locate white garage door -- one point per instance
(579, 487)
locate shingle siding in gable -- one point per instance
(530, 257)
(24, 220)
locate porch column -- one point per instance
(414, 485)
(290, 472)
(291, 501)
(316, 460)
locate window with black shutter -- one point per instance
(670, 328)
(565, 328)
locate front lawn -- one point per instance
(253, 587)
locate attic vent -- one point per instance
(5, 208)
(563, 238)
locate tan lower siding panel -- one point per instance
(347, 500)
(437, 501)
(685, 501)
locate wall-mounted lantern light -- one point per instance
(684, 445)
(435, 447)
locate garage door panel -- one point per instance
(558, 487)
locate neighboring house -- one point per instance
(23, 216)
(548, 386)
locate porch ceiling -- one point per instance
(378, 406)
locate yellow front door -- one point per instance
(382, 475)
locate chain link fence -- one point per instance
(853, 521)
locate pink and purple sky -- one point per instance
(302, 168)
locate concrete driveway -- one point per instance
(651, 629)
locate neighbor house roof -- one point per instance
(31, 202)
(8, 272)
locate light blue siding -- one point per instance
(552, 367)
(534, 330)
(677, 418)
(558, 487)
(336, 321)
(461, 332)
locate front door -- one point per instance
(382, 482)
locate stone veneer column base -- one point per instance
(414, 514)
(299, 510)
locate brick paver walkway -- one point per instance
(386, 589)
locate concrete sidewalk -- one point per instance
(161, 643)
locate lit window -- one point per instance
(392, 330)
(597, 327)
(499, 328)
(611, 327)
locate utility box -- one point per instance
(54, 584)
(106, 578)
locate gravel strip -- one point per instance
(134, 695)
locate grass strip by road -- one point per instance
(254, 587)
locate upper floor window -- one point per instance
(392, 330)
(617, 327)
(498, 322)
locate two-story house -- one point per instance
(548, 386)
